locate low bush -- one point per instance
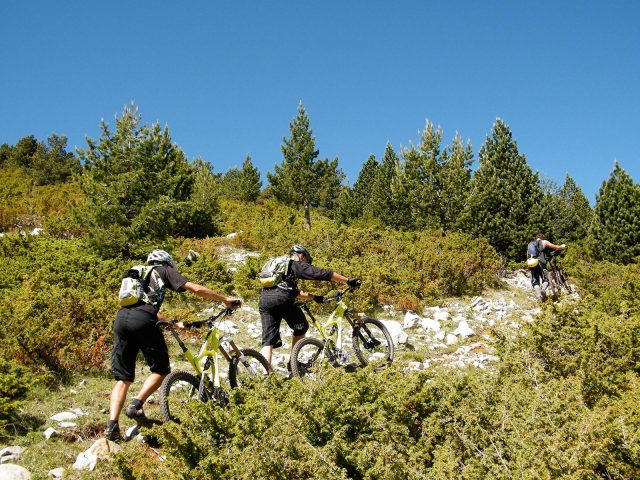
(15, 382)
(405, 269)
(515, 422)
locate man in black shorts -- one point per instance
(135, 330)
(277, 302)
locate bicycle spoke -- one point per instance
(372, 343)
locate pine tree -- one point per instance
(568, 211)
(249, 181)
(352, 202)
(504, 201)
(381, 204)
(418, 184)
(363, 188)
(300, 180)
(139, 185)
(433, 183)
(455, 174)
(615, 229)
(243, 184)
(346, 209)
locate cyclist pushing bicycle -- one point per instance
(538, 251)
(135, 330)
(278, 279)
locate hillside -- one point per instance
(458, 333)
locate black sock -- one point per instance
(112, 423)
(136, 403)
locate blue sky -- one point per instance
(226, 77)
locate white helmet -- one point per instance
(160, 256)
(532, 262)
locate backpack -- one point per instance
(135, 286)
(533, 249)
(274, 272)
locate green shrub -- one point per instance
(15, 382)
(57, 301)
(405, 269)
(515, 422)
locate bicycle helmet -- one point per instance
(297, 248)
(532, 262)
(160, 256)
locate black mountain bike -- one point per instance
(556, 275)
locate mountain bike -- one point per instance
(181, 387)
(556, 275)
(370, 340)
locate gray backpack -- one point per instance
(274, 272)
(141, 284)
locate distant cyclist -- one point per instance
(135, 330)
(537, 252)
(277, 301)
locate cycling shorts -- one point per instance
(134, 331)
(274, 308)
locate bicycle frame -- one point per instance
(331, 331)
(210, 350)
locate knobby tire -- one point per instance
(373, 330)
(300, 366)
(236, 366)
(169, 397)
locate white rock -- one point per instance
(228, 327)
(413, 365)
(101, 449)
(85, 461)
(67, 424)
(131, 432)
(430, 324)
(439, 336)
(463, 330)
(395, 330)
(411, 320)
(475, 301)
(451, 339)
(56, 473)
(64, 417)
(50, 432)
(10, 471)
(442, 316)
(11, 454)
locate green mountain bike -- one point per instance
(370, 340)
(181, 387)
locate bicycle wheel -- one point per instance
(253, 366)
(372, 343)
(563, 281)
(177, 390)
(554, 287)
(308, 353)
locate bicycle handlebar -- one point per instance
(331, 298)
(199, 323)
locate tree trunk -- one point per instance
(307, 214)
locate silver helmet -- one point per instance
(160, 256)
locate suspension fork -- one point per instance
(359, 326)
